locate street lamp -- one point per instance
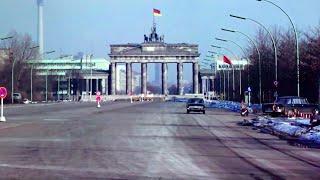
(90, 56)
(233, 83)
(224, 77)
(297, 43)
(31, 76)
(5, 38)
(12, 69)
(224, 40)
(272, 39)
(47, 79)
(259, 56)
(212, 52)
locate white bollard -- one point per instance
(2, 119)
(98, 99)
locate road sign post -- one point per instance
(3, 94)
(249, 96)
(275, 94)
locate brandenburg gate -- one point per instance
(154, 50)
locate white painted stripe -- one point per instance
(29, 105)
(16, 118)
(31, 139)
(13, 125)
(50, 167)
(58, 119)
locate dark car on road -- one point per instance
(289, 105)
(196, 105)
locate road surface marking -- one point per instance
(31, 139)
(55, 119)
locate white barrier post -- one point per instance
(3, 94)
(98, 99)
(3, 119)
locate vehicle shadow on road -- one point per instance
(182, 113)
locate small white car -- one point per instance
(26, 101)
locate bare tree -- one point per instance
(19, 51)
(310, 64)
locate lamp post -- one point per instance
(5, 38)
(233, 83)
(31, 74)
(12, 70)
(297, 43)
(224, 40)
(90, 76)
(243, 51)
(58, 94)
(213, 68)
(2, 39)
(220, 78)
(259, 57)
(47, 86)
(207, 63)
(272, 39)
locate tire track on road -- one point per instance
(269, 146)
(264, 170)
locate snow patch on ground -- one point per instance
(294, 128)
(229, 105)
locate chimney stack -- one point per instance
(40, 27)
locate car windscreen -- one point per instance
(292, 101)
(196, 101)
(283, 101)
(299, 101)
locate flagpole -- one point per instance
(233, 84)
(228, 84)
(220, 82)
(153, 19)
(224, 85)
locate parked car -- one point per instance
(196, 105)
(289, 106)
(17, 97)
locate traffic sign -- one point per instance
(249, 89)
(3, 92)
(275, 83)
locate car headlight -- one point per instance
(279, 109)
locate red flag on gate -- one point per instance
(156, 12)
(227, 60)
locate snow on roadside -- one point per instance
(229, 105)
(311, 137)
(296, 128)
(287, 128)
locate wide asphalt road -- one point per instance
(142, 141)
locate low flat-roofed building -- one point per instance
(76, 76)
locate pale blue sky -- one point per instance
(91, 26)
